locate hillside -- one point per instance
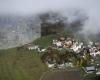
(20, 65)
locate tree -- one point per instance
(87, 58)
(51, 55)
(83, 62)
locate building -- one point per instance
(90, 69)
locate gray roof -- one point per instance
(90, 68)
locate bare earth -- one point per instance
(63, 75)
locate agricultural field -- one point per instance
(20, 65)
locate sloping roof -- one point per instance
(90, 68)
(98, 73)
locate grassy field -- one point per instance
(20, 65)
(45, 41)
(23, 64)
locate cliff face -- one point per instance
(16, 31)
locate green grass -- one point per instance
(44, 41)
(20, 65)
(23, 64)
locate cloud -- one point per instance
(68, 8)
(34, 6)
(27, 7)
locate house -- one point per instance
(77, 46)
(41, 50)
(50, 65)
(33, 47)
(69, 64)
(59, 44)
(97, 63)
(54, 42)
(90, 69)
(61, 66)
(98, 73)
(90, 44)
(68, 44)
(94, 54)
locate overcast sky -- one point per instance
(27, 7)
(34, 6)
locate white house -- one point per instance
(41, 50)
(59, 44)
(76, 47)
(98, 73)
(90, 69)
(90, 44)
(94, 54)
(61, 65)
(68, 42)
(33, 47)
(50, 65)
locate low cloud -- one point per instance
(71, 9)
(28, 7)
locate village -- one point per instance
(66, 52)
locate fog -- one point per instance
(73, 9)
(28, 7)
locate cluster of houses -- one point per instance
(31, 46)
(68, 43)
(78, 47)
(82, 48)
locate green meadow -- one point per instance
(20, 65)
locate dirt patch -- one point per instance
(63, 75)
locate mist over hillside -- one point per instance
(20, 20)
(18, 30)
